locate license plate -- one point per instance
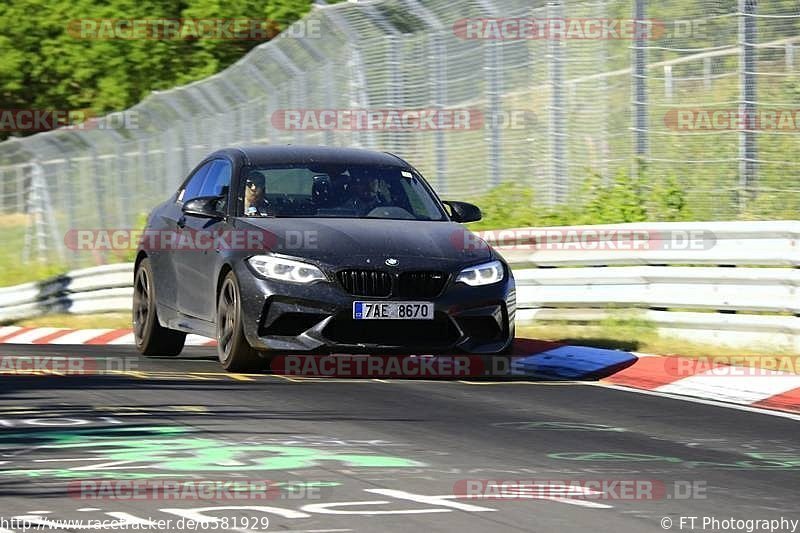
(392, 310)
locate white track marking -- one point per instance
(742, 389)
(716, 403)
(81, 336)
(197, 340)
(29, 336)
(125, 339)
(7, 330)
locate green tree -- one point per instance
(45, 66)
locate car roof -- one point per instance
(296, 153)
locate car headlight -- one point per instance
(484, 274)
(285, 269)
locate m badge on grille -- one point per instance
(391, 262)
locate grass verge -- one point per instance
(105, 320)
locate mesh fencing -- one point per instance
(555, 110)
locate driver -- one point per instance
(366, 195)
(255, 204)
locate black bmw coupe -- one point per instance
(299, 249)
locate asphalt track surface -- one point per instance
(370, 455)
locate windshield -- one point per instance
(345, 191)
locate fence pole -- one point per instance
(436, 58)
(639, 79)
(492, 67)
(96, 176)
(123, 175)
(330, 93)
(20, 170)
(668, 90)
(558, 178)
(747, 106)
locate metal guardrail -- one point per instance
(99, 289)
(738, 286)
(749, 243)
(745, 289)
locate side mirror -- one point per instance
(463, 211)
(204, 206)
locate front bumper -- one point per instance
(280, 316)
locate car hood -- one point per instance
(349, 241)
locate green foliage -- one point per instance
(507, 202)
(619, 201)
(622, 199)
(669, 200)
(629, 323)
(45, 66)
(12, 270)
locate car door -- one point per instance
(163, 230)
(197, 260)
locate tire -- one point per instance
(151, 337)
(234, 352)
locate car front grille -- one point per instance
(366, 282)
(420, 284)
(377, 283)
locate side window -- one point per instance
(195, 184)
(218, 182)
(218, 179)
